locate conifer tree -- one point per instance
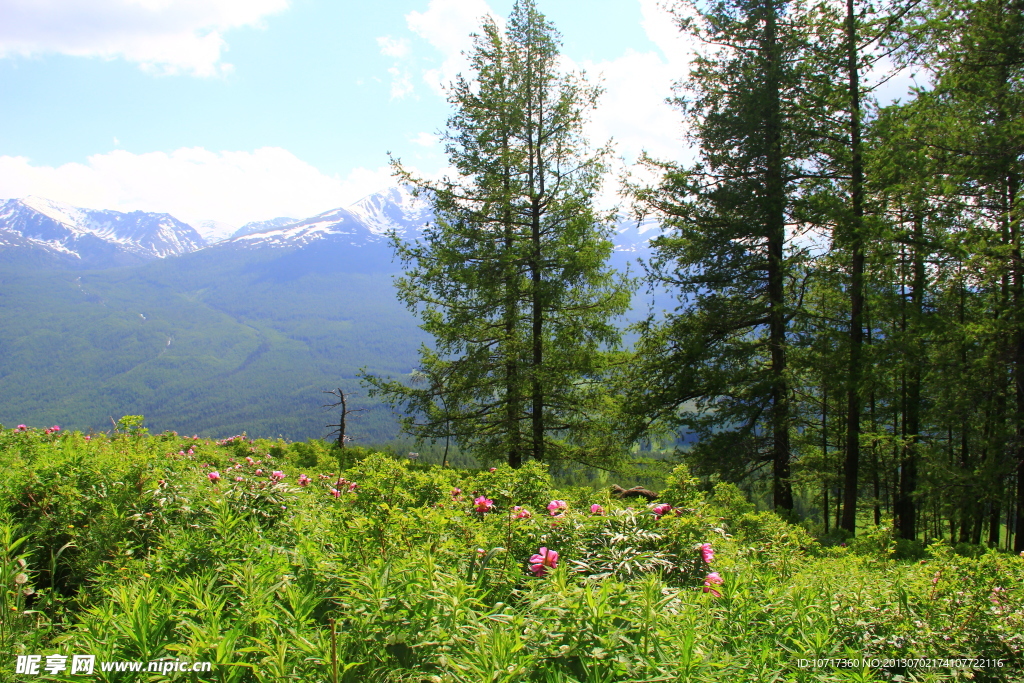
(511, 278)
(728, 251)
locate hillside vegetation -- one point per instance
(282, 561)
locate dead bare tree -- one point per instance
(345, 411)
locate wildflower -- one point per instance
(88, 438)
(493, 469)
(596, 509)
(661, 510)
(540, 562)
(706, 553)
(483, 504)
(54, 428)
(555, 507)
(456, 492)
(711, 580)
(521, 513)
(304, 480)
(277, 475)
(259, 472)
(249, 460)
(352, 486)
(22, 428)
(214, 476)
(239, 478)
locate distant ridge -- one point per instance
(69, 236)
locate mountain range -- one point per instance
(109, 313)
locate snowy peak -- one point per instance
(93, 238)
(364, 223)
(260, 226)
(393, 209)
(336, 224)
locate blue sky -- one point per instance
(239, 110)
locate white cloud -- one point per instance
(194, 183)
(447, 25)
(401, 82)
(425, 139)
(390, 47)
(163, 36)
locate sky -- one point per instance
(245, 110)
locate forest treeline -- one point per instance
(850, 328)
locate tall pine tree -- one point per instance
(511, 279)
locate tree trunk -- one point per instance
(851, 480)
(775, 202)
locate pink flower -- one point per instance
(456, 492)
(711, 580)
(54, 428)
(22, 428)
(483, 504)
(277, 475)
(540, 562)
(661, 510)
(239, 478)
(335, 492)
(249, 460)
(304, 480)
(88, 438)
(521, 513)
(259, 472)
(352, 486)
(555, 507)
(596, 509)
(707, 553)
(493, 469)
(214, 476)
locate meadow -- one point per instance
(279, 561)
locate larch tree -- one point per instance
(718, 365)
(511, 278)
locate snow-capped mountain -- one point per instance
(260, 226)
(213, 231)
(92, 238)
(393, 209)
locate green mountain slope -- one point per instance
(215, 342)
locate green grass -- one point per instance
(121, 546)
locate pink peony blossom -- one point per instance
(304, 480)
(22, 428)
(483, 504)
(521, 513)
(456, 492)
(239, 478)
(596, 509)
(88, 438)
(661, 510)
(54, 428)
(249, 460)
(540, 562)
(335, 492)
(352, 486)
(259, 472)
(556, 506)
(214, 476)
(277, 475)
(707, 553)
(710, 581)
(493, 469)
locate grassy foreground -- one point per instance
(294, 562)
